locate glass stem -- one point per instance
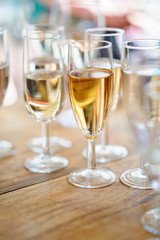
(91, 154)
(45, 138)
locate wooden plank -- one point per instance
(17, 127)
(46, 206)
(57, 210)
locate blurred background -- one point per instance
(139, 18)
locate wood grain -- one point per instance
(57, 210)
(18, 127)
(46, 206)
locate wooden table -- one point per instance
(46, 206)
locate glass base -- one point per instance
(66, 119)
(55, 144)
(6, 149)
(151, 221)
(92, 178)
(107, 153)
(45, 163)
(136, 178)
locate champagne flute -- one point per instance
(6, 148)
(76, 16)
(109, 152)
(43, 93)
(47, 62)
(151, 219)
(145, 111)
(90, 91)
(139, 67)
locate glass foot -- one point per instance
(55, 144)
(151, 221)
(45, 163)
(6, 149)
(107, 153)
(136, 178)
(92, 178)
(66, 119)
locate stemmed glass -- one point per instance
(90, 91)
(107, 152)
(76, 16)
(139, 67)
(47, 62)
(6, 148)
(151, 219)
(43, 93)
(147, 117)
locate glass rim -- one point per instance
(33, 32)
(94, 31)
(73, 44)
(147, 40)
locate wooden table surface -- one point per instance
(46, 206)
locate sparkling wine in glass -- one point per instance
(47, 62)
(43, 92)
(6, 148)
(90, 91)
(139, 68)
(76, 16)
(106, 152)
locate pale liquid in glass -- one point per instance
(44, 91)
(140, 106)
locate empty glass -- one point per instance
(90, 91)
(43, 92)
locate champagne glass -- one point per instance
(43, 93)
(90, 91)
(139, 67)
(6, 148)
(47, 62)
(151, 219)
(76, 16)
(108, 152)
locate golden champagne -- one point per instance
(90, 94)
(44, 93)
(116, 80)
